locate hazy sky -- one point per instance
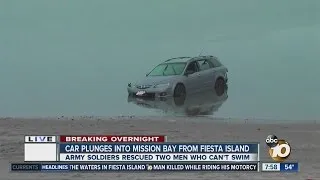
(76, 56)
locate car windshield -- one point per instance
(168, 69)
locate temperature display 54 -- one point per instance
(289, 167)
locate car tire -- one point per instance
(179, 94)
(220, 86)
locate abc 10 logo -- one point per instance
(279, 149)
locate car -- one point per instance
(182, 76)
(199, 104)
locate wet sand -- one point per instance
(303, 138)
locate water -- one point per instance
(76, 57)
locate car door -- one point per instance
(206, 73)
(192, 81)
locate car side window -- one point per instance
(204, 65)
(192, 68)
(216, 63)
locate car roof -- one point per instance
(186, 59)
(178, 60)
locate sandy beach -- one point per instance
(303, 137)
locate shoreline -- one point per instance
(302, 136)
(159, 118)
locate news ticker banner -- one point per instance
(70, 148)
(136, 167)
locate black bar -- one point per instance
(135, 167)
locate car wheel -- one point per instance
(220, 86)
(179, 94)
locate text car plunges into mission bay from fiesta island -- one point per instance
(161, 148)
